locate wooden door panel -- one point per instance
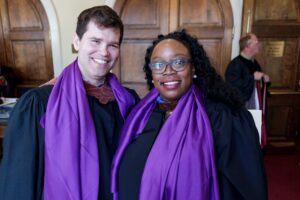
(275, 17)
(137, 49)
(213, 50)
(281, 69)
(148, 9)
(143, 19)
(131, 74)
(207, 13)
(283, 118)
(25, 65)
(279, 116)
(271, 17)
(286, 10)
(21, 16)
(27, 41)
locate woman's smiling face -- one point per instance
(172, 84)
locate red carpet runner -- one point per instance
(283, 173)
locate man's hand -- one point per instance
(260, 75)
(266, 78)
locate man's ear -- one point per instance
(76, 42)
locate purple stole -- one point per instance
(71, 150)
(181, 163)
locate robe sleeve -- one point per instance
(22, 166)
(237, 75)
(239, 159)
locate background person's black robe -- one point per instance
(239, 74)
(22, 166)
(239, 160)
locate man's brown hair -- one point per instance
(102, 16)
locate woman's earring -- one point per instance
(152, 81)
(195, 76)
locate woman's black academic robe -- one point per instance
(239, 160)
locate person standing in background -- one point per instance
(244, 73)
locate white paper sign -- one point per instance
(257, 116)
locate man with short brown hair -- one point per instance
(61, 138)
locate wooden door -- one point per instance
(2, 49)
(209, 20)
(277, 25)
(25, 41)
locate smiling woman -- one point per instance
(192, 152)
(175, 79)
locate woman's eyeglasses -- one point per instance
(160, 66)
